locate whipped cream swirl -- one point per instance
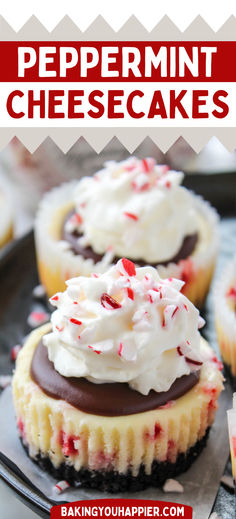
(126, 325)
(134, 208)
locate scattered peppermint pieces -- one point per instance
(172, 485)
(54, 299)
(14, 351)
(75, 321)
(111, 318)
(109, 303)
(231, 293)
(128, 266)
(120, 349)
(131, 216)
(37, 317)
(130, 293)
(61, 486)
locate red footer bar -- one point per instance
(121, 508)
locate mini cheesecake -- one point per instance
(225, 317)
(231, 413)
(136, 209)
(119, 391)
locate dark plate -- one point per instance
(18, 277)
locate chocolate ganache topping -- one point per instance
(72, 237)
(110, 399)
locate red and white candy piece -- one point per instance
(54, 299)
(127, 350)
(14, 351)
(141, 183)
(103, 346)
(148, 164)
(172, 485)
(109, 303)
(131, 216)
(174, 283)
(61, 486)
(95, 351)
(73, 320)
(131, 164)
(126, 267)
(231, 293)
(163, 182)
(185, 351)
(169, 314)
(37, 317)
(163, 168)
(5, 380)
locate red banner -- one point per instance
(121, 508)
(117, 61)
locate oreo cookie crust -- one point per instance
(113, 482)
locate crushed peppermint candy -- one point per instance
(5, 380)
(172, 485)
(14, 351)
(75, 321)
(37, 317)
(95, 351)
(109, 303)
(131, 216)
(128, 267)
(117, 319)
(61, 486)
(134, 190)
(120, 349)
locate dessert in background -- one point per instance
(225, 317)
(134, 208)
(119, 392)
(6, 219)
(232, 435)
